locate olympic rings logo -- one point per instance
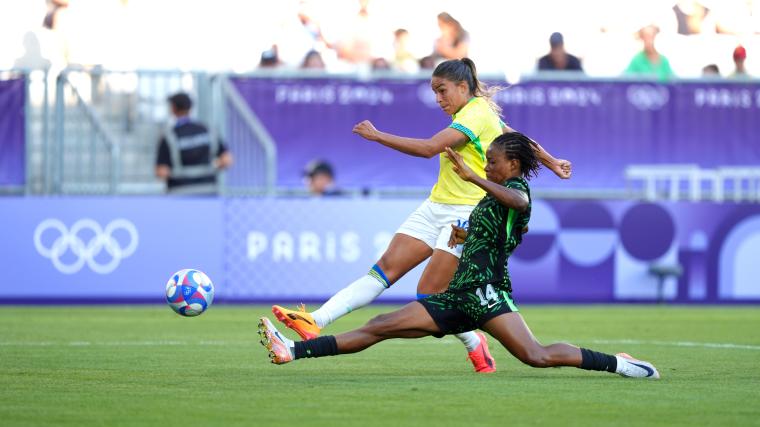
(648, 97)
(86, 252)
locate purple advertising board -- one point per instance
(265, 250)
(12, 123)
(601, 127)
(104, 249)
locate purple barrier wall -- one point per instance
(12, 168)
(600, 126)
(124, 249)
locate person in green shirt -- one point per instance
(649, 62)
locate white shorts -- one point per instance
(431, 223)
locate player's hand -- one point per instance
(460, 167)
(562, 168)
(366, 130)
(458, 234)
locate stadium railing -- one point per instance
(123, 114)
(690, 182)
(87, 154)
(106, 126)
(254, 148)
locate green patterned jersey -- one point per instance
(494, 233)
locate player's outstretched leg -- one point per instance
(510, 329)
(356, 295)
(403, 254)
(411, 321)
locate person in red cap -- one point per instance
(740, 55)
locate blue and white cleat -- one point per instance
(629, 367)
(278, 346)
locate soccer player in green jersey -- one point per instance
(480, 294)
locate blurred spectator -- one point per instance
(54, 9)
(185, 160)
(32, 58)
(403, 59)
(649, 62)
(711, 70)
(270, 58)
(380, 64)
(300, 34)
(692, 17)
(740, 55)
(428, 62)
(359, 42)
(311, 27)
(320, 179)
(558, 58)
(739, 17)
(454, 41)
(313, 61)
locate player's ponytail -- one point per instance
(463, 70)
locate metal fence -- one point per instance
(108, 124)
(690, 182)
(96, 131)
(250, 142)
(86, 153)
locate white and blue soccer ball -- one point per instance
(189, 292)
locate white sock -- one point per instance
(471, 340)
(356, 295)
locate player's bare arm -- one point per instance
(413, 146)
(508, 197)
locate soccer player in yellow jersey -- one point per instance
(425, 234)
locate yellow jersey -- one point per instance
(481, 125)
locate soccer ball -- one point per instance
(189, 292)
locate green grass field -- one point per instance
(147, 366)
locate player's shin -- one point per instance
(356, 295)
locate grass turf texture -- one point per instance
(147, 366)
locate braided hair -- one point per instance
(518, 146)
(463, 70)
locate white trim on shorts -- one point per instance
(431, 223)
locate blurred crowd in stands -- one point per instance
(657, 38)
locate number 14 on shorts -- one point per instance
(490, 299)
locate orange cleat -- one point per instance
(481, 358)
(297, 320)
(277, 345)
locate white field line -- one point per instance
(731, 346)
(692, 344)
(116, 343)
